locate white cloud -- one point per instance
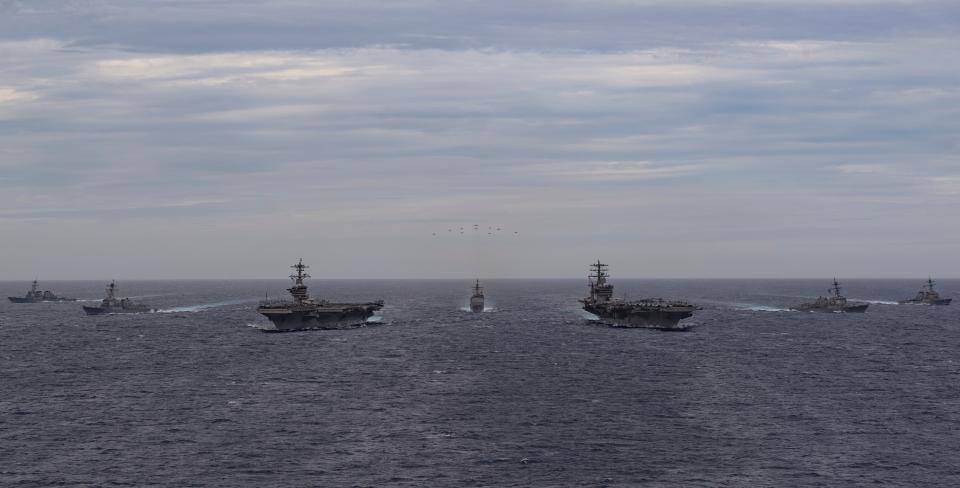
(946, 185)
(11, 95)
(621, 171)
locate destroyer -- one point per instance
(476, 300)
(927, 296)
(835, 302)
(112, 304)
(37, 296)
(305, 313)
(648, 313)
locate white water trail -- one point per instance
(587, 315)
(204, 306)
(486, 309)
(878, 302)
(762, 308)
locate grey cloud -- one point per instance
(210, 25)
(616, 128)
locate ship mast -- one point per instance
(33, 287)
(299, 290)
(111, 288)
(477, 290)
(930, 284)
(836, 288)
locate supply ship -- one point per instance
(647, 313)
(112, 304)
(305, 313)
(34, 295)
(834, 302)
(926, 296)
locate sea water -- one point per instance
(532, 393)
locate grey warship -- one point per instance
(305, 313)
(112, 304)
(647, 313)
(834, 303)
(477, 299)
(927, 296)
(34, 295)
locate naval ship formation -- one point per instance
(302, 312)
(305, 313)
(647, 313)
(834, 303)
(34, 295)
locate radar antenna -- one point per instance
(598, 272)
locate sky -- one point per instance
(176, 139)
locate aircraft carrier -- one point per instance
(305, 313)
(647, 313)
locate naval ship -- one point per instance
(476, 300)
(37, 296)
(835, 302)
(927, 296)
(112, 304)
(305, 313)
(647, 313)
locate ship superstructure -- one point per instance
(305, 313)
(112, 304)
(34, 295)
(477, 299)
(927, 296)
(649, 313)
(834, 302)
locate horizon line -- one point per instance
(10, 280)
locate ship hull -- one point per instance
(325, 318)
(942, 301)
(28, 300)
(660, 319)
(476, 304)
(106, 311)
(848, 309)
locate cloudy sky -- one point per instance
(673, 138)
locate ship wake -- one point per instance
(877, 302)
(486, 309)
(205, 306)
(761, 308)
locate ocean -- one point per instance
(529, 393)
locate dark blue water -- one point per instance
(530, 394)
